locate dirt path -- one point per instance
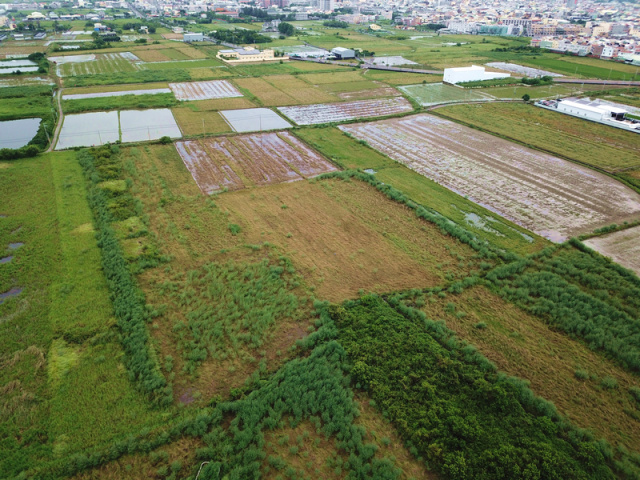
(56, 132)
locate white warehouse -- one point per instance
(591, 110)
(470, 74)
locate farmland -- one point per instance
(344, 237)
(204, 90)
(94, 64)
(608, 148)
(513, 181)
(387, 299)
(338, 112)
(622, 247)
(261, 159)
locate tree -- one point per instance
(286, 29)
(526, 97)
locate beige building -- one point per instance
(248, 54)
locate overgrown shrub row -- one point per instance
(128, 301)
(451, 406)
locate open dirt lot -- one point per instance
(552, 197)
(338, 112)
(346, 236)
(260, 159)
(622, 247)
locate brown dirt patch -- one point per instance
(172, 36)
(373, 93)
(199, 123)
(523, 346)
(346, 236)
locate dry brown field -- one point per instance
(346, 237)
(152, 56)
(547, 195)
(199, 123)
(265, 92)
(370, 93)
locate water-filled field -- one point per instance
(254, 120)
(142, 125)
(17, 133)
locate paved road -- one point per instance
(597, 82)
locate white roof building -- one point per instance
(470, 74)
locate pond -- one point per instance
(18, 133)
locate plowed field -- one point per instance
(552, 197)
(339, 112)
(261, 159)
(204, 90)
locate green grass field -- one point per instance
(437, 93)
(159, 100)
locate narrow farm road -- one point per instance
(56, 132)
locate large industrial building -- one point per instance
(470, 74)
(596, 111)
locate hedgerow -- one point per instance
(128, 300)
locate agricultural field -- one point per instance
(230, 163)
(204, 90)
(340, 112)
(200, 123)
(89, 129)
(116, 100)
(622, 247)
(349, 153)
(346, 237)
(254, 120)
(439, 93)
(388, 299)
(93, 64)
(277, 90)
(610, 149)
(511, 180)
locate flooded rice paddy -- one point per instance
(254, 120)
(18, 133)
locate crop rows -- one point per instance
(204, 90)
(218, 163)
(103, 63)
(545, 194)
(339, 112)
